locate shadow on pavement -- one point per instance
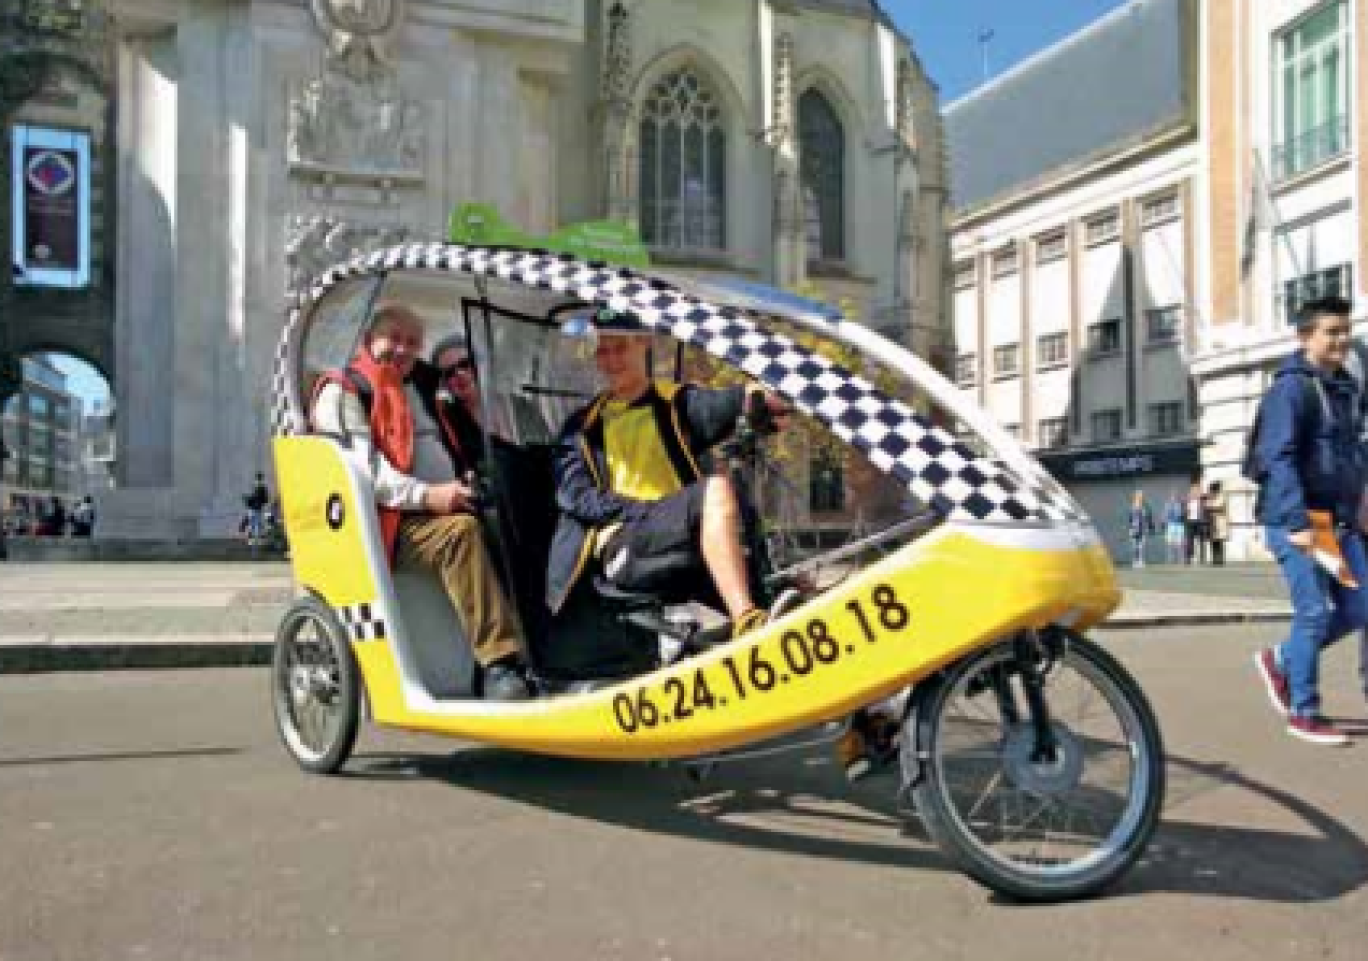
(1322, 860)
(801, 806)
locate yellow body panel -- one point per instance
(891, 624)
(330, 545)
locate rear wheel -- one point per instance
(315, 687)
(1041, 824)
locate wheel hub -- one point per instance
(311, 683)
(1058, 775)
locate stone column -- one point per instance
(148, 76)
(238, 404)
(205, 250)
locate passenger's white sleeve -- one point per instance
(340, 414)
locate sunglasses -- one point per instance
(466, 364)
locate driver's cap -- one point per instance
(604, 320)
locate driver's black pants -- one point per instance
(660, 553)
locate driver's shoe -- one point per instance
(753, 619)
(505, 682)
(870, 742)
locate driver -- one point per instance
(386, 400)
(630, 490)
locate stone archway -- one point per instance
(44, 46)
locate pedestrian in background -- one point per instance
(255, 520)
(1175, 530)
(1307, 457)
(1139, 526)
(83, 517)
(1194, 525)
(1217, 522)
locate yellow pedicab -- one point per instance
(1033, 757)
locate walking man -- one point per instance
(1307, 458)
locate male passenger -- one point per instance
(631, 494)
(1307, 457)
(386, 399)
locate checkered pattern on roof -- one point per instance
(935, 467)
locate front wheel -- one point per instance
(1040, 810)
(315, 687)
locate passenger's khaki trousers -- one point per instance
(454, 547)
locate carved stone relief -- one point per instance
(906, 103)
(617, 58)
(315, 242)
(353, 120)
(782, 120)
(619, 192)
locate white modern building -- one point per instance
(1072, 244)
(1136, 212)
(256, 141)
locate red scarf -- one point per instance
(391, 425)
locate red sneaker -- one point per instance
(1275, 681)
(1317, 730)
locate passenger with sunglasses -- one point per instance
(460, 383)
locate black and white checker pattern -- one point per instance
(936, 468)
(362, 623)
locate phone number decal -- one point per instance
(802, 653)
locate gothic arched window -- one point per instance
(683, 164)
(821, 142)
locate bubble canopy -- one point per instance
(524, 311)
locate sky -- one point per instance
(82, 380)
(945, 34)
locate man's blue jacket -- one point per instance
(1308, 446)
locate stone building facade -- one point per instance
(251, 142)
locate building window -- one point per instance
(1331, 282)
(1106, 426)
(1166, 419)
(1007, 360)
(966, 369)
(1102, 228)
(683, 165)
(1051, 247)
(821, 141)
(38, 405)
(1158, 210)
(1005, 262)
(826, 484)
(965, 275)
(1313, 91)
(1052, 350)
(1104, 338)
(1163, 325)
(1053, 433)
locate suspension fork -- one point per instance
(1030, 655)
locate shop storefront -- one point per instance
(1105, 480)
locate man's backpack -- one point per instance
(1252, 468)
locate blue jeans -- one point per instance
(1323, 611)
